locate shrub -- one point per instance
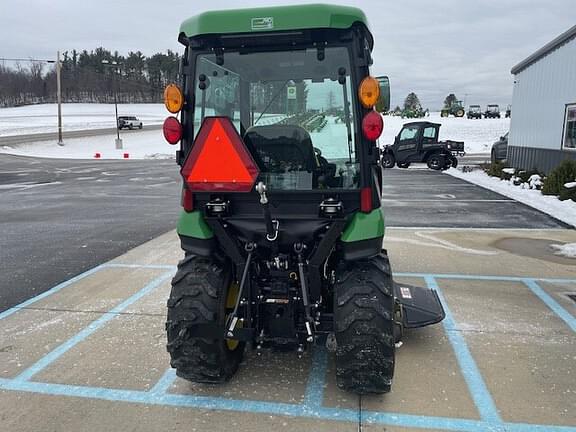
(563, 173)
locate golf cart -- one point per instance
(418, 142)
(282, 224)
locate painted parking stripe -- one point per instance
(274, 408)
(51, 291)
(314, 395)
(476, 385)
(551, 303)
(92, 327)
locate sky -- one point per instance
(432, 48)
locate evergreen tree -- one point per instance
(412, 103)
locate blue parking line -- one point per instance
(551, 303)
(51, 291)
(164, 383)
(92, 327)
(316, 379)
(476, 385)
(275, 408)
(482, 277)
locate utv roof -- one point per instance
(423, 123)
(272, 19)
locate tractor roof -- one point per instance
(272, 19)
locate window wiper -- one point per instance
(271, 101)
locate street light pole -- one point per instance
(59, 96)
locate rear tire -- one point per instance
(388, 160)
(364, 326)
(436, 162)
(198, 296)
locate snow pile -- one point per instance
(567, 250)
(570, 185)
(561, 210)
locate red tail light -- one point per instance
(187, 200)
(366, 200)
(172, 130)
(372, 125)
(219, 160)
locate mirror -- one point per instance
(383, 104)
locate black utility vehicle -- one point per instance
(492, 111)
(474, 112)
(418, 142)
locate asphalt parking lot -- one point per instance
(89, 354)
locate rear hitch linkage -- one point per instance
(250, 248)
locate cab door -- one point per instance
(407, 144)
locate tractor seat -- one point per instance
(281, 148)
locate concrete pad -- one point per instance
(526, 354)
(28, 412)
(427, 381)
(129, 352)
(474, 252)
(272, 377)
(30, 334)
(153, 303)
(100, 291)
(163, 250)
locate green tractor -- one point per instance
(282, 224)
(456, 109)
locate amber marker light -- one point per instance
(369, 92)
(173, 98)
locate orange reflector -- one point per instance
(219, 160)
(173, 98)
(369, 92)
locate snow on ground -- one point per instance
(139, 145)
(478, 135)
(561, 210)
(43, 118)
(567, 249)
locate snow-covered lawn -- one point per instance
(139, 145)
(478, 135)
(43, 118)
(561, 210)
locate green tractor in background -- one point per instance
(282, 224)
(456, 109)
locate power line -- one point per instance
(27, 60)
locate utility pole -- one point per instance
(59, 96)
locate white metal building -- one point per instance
(543, 123)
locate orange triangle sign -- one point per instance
(219, 160)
